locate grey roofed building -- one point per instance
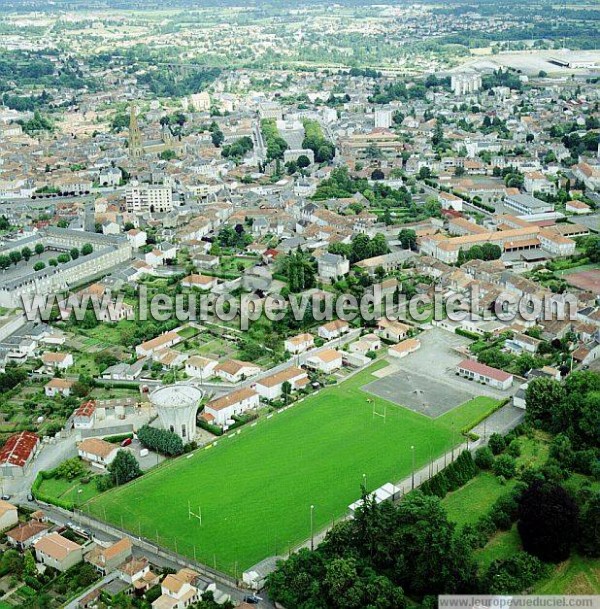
(255, 577)
(293, 243)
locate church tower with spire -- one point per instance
(136, 149)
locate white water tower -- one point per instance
(177, 406)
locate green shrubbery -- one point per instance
(160, 440)
(451, 477)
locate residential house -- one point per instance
(26, 534)
(332, 266)
(404, 348)
(299, 344)
(333, 329)
(367, 343)
(202, 282)
(136, 572)
(85, 416)
(58, 386)
(392, 330)
(9, 515)
(137, 238)
(107, 559)
(178, 590)
(326, 361)
(200, 367)
(234, 371)
(221, 410)
(58, 552)
(271, 387)
(97, 452)
(57, 361)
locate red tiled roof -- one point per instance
(484, 370)
(18, 448)
(86, 409)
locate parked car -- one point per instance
(126, 442)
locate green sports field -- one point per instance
(255, 489)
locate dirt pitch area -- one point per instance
(588, 281)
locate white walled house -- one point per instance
(58, 386)
(222, 409)
(299, 344)
(202, 282)
(404, 348)
(9, 515)
(58, 552)
(200, 367)
(137, 238)
(333, 329)
(271, 387)
(234, 371)
(97, 451)
(59, 361)
(326, 361)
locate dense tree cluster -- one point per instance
(276, 145)
(299, 269)
(160, 440)
(314, 140)
(361, 247)
(487, 251)
(238, 149)
(233, 237)
(385, 552)
(571, 407)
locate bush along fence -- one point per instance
(452, 477)
(39, 496)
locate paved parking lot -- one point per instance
(425, 381)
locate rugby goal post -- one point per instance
(379, 413)
(191, 514)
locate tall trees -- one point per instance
(408, 238)
(299, 269)
(547, 522)
(124, 468)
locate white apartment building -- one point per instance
(154, 198)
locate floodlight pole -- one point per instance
(412, 448)
(312, 537)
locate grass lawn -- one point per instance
(68, 490)
(503, 544)
(577, 575)
(465, 415)
(255, 488)
(474, 499)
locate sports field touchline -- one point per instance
(254, 488)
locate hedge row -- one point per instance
(160, 440)
(118, 438)
(491, 410)
(213, 429)
(452, 477)
(467, 334)
(35, 491)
